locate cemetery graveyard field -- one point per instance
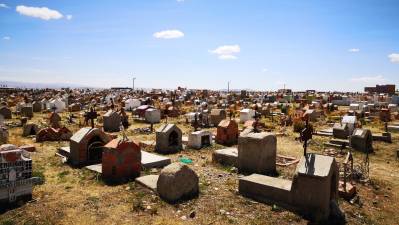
(71, 195)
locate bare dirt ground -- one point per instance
(78, 196)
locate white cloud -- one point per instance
(353, 50)
(68, 17)
(369, 79)
(180, 0)
(7, 38)
(226, 51)
(394, 57)
(227, 57)
(39, 12)
(169, 34)
(264, 70)
(2, 5)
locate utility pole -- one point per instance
(133, 82)
(228, 86)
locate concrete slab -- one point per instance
(98, 168)
(227, 156)
(393, 128)
(150, 160)
(266, 189)
(149, 181)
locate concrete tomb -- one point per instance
(341, 130)
(227, 133)
(121, 160)
(53, 134)
(200, 139)
(216, 116)
(311, 193)
(37, 106)
(246, 114)
(29, 129)
(257, 152)
(111, 121)
(54, 120)
(86, 146)
(152, 115)
(6, 112)
(26, 111)
(168, 139)
(16, 181)
(362, 140)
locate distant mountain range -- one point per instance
(17, 84)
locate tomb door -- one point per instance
(173, 139)
(205, 141)
(94, 150)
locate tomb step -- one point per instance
(149, 181)
(339, 141)
(323, 133)
(393, 128)
(266, 189)
(227, 156)
(334, 145)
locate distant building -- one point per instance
(381, 89)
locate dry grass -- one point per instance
(78, 196)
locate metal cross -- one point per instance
(306, 135)
(91, 115)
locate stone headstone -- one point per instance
(257, 153)
(177, 182)
(362, 140)
(168, 139)
(111, 121)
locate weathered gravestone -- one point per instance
(29, 129)
(168, 139)
(27, 111)
(37, 106)
(257, 152)
(227, 132)
(152, 115)
(362, 140)
(6, 112)
(216, 116)
(177, 182)
(54, 120)
(341, 130)
(111, 121)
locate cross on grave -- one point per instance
(112, 103)
(91, 115)
(256, 123)
(196, 124)
(306, 135)
(348, 160)
(231, 114)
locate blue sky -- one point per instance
(322, 45)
